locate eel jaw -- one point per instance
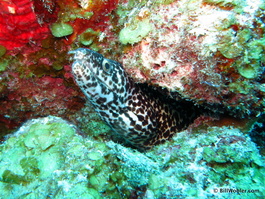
(79, 54)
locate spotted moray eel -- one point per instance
(140, 119)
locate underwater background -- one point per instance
(209, 52)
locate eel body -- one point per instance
(140, 119)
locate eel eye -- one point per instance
(106, 66)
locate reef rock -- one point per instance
(210, 51)
(47, 158)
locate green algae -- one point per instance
(77, 15)
(54, 150)
(30, 167)
(61, 29)
(239, 40)
(57, 66)
(88, 37)
(237, 5)
(135, 32)
(246, 48)
(232, 47)
(3, 65)
(138, 27)
(52, 155)
(12, 178)
(2, 50)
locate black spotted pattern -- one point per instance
(139, 116)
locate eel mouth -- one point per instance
(78, 53)
(79, 56)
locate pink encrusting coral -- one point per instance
(206, 51)
(26, 98)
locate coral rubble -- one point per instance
(49, 152)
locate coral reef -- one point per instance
(49, 152)
(184, 46)
(209, 50)
(22, 103)
(35, 37)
